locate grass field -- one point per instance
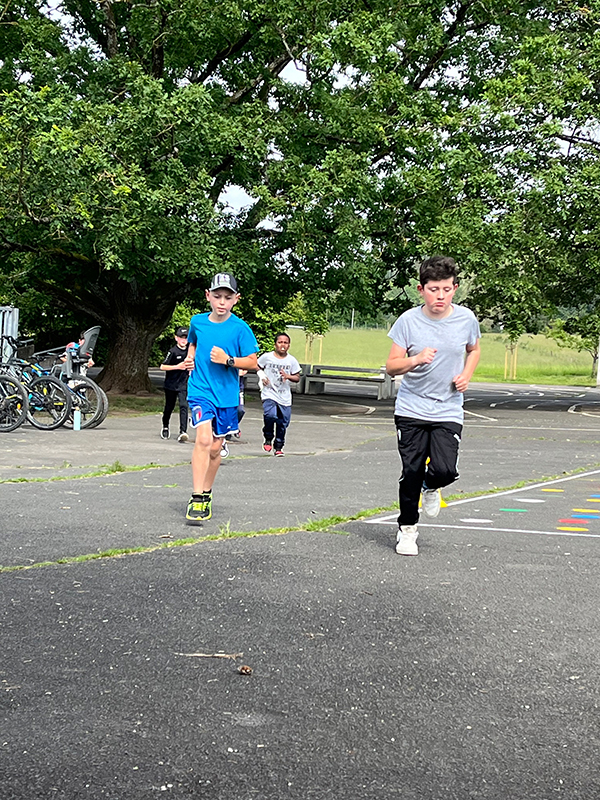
(539, 360)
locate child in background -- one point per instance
(278, 369)
(175, 387)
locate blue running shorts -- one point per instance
(224, 420)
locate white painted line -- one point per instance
(511, 530)
(382, 520)
(452, 503)
(573, 410)
(530, 500)
(524, 489)
(536, 427)
(495, 530)
(476, 520)
(481, 416)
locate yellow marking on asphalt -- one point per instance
(572, 529)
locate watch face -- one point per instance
(230, 361)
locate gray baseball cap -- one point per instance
(224, 280)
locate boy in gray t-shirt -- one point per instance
(436, 348)
(277, 370)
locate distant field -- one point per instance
(539, 360)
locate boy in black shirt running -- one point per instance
(176, 381)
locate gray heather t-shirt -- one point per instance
(427, 392)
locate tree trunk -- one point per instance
(133, 325)
(126, 370)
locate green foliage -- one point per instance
(407, 129)
(580, 333)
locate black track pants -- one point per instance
(171, 396)
(418, 441)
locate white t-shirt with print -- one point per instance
(278, 389)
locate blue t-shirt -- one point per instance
(427, 392)
(217, 382)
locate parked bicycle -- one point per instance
(56, 392)
(13, 404)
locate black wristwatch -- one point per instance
(230, 361)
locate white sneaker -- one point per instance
(431, 502)
(183, 437)
(406, 543)
(224, 449)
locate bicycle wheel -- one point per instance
(49, 403)
(85, 396)
(104, 413)
(13, 404)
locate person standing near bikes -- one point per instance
(176, 380)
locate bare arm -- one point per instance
(219, 356)
(473, 352)
(168, 367)
(191, 355)
(399, 363)
(295, 378)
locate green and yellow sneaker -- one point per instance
(199, 508)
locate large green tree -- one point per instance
(363, 132)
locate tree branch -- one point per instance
(435, 59)
(573, 139)
(225, 53)
(273, 69)
(52, 252)
(112, 44)
(158, 50)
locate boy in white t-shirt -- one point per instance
(436, 348)
(277, 370)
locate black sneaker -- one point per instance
(164, 434)
(199, 508)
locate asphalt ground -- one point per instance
(467, 672)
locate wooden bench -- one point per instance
(320, 374)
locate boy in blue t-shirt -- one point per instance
(220, 344)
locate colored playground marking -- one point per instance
(572, 524)
(572, 529)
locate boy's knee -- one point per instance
(438, 478)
